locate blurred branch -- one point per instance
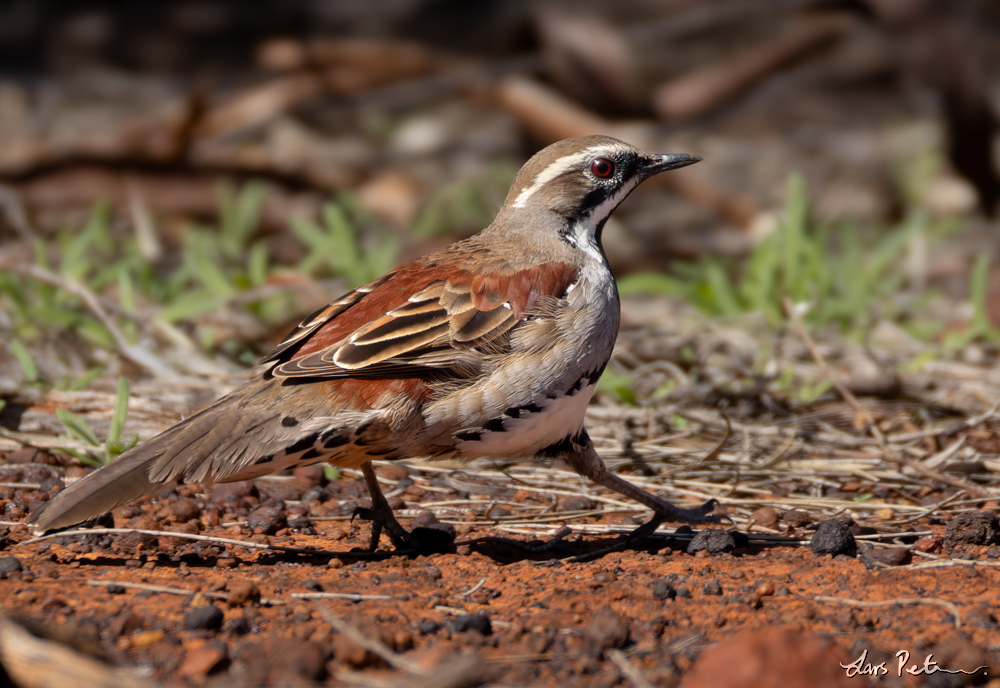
(700, 92)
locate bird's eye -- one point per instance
(602, 168)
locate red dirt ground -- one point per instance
(654, 609)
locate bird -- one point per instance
(488, 348)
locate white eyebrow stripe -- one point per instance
(559, 167)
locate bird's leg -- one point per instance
(381, 515)
(586, 462)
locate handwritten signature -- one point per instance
(861, 667)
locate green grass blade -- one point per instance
(120, 412)
(24, 359)
(76, 427)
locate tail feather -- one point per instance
(133, 474)
(118, 482)
(240, 436)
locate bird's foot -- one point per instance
(383, 519)
(668, 512)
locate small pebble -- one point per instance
(662, 590)
(315, 493)
(765, 589)
(576, 503)
(237, 626)
(184, 510)
(302, 524)
(266, 520)
(712, 587)
(428, 627)
(242, 593)
(833, 537)
(798, 518)
(972, 527)
(201, 661)
(766, 516)
(712, 541)
(126, 623)
(207, 618)
(877, 557)
(929, 545)
(146, 638)
(608, 629)
(9, 565)
(498, 512)
(470, 622)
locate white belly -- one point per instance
(525, 436)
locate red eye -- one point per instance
(602, 168)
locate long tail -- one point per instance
(124, 479)
(238, 437)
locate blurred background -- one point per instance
(223, 168)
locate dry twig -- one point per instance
(935, 601)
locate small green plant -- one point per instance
(330, 472)
(113, 446)
(333, 243)
(619, 385)
(845, 278)
(24, 359)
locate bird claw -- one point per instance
(701, 514)
(380, 520)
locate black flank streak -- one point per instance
(335, 441)
(595, 376)
(516, 411)
(289, 422)
(494, 425)
(577, 386)
(311, 454)
(263, 459)
(305, 443)
(469, 436)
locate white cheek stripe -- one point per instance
(557, 168)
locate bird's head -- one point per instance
(575, 184)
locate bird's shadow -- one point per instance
(501, 550)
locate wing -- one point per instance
(424, 318)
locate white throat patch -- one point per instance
(584, 235)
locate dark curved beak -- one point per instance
(658, 162)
